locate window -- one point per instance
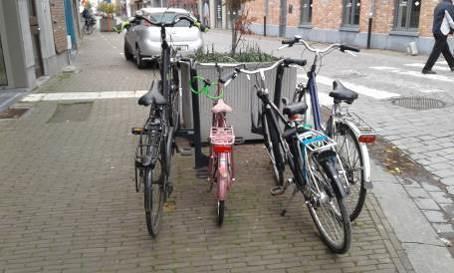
(351, 12)
(306, 12)
(3, 79)
(407, 15)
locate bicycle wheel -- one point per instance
(274, 149)
(327, 209)
(349, 152)
(154, 196)
(220, 212)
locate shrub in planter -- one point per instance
(107, 10)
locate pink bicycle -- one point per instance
(222, 138)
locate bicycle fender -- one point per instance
(327, 159)
(364, 153)
(223, 176)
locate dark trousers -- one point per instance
(441, 46)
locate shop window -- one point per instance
(351, 12)
(407, 15)
(306, 12)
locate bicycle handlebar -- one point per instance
(250, 72)
(300, 41)
(192, 21)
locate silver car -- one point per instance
(143, 41)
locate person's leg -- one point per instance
(447, 53)
(436, 51)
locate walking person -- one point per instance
(441, 44)
(206, 14)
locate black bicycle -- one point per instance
(312, 158)
(155, 148)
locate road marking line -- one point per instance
(436, 67)
(360, 89)
(83, 96)
(416, 74)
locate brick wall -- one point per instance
(57, 8)
(426, 17)
(327, 14)
(293, 19)
(384, 16)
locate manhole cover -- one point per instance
(66, 112)
(418, 103)
(13, 113)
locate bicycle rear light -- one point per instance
(222, 148)
(367, 138)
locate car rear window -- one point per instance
(168, 17)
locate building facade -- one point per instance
(393, 23)
(33, 40)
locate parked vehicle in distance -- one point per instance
(143, 41)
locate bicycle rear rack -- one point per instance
(316, 141)
(222, 136)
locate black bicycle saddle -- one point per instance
(153, 96)
(342, 93)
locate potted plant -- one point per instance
(107, 11)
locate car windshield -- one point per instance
(168, 17)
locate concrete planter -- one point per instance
(106, 24)
(240, 95)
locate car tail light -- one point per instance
(367, 138)
(222, 148)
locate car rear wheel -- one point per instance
(139, 62)
(128, 54)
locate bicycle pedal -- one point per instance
(278, 190)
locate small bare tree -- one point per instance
(239, 20)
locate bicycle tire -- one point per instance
(154, 204)
(220, 212)
(274, 149)
(337, 212)
(355, 174)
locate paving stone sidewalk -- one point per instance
(68, 204)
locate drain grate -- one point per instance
(13, 113)
(66, 112)
(418, 103)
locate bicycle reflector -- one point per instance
(222, 148)
(367, 138)
(137, 130)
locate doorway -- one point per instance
(35, 32)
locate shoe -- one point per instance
(425, 71)
(452, 68)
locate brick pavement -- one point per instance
(67, 201)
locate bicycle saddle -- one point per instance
(342, 93)
(153, 96)
(295, 108)
(221, 107)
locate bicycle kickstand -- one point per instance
(284, 211)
